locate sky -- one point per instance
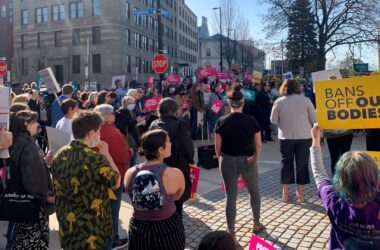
(254, 11)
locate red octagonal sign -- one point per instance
(160, 63)
(3, 68)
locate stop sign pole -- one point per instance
(3, 71)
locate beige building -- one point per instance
(103, 36)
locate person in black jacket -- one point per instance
(264, 108)
(182, 146)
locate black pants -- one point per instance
(373, 139)
(337, 147)
(297, 150)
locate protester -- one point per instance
(339, 142)
(35, 179)
(197, 105)
(372, 140)
(91, 101)
(69, 109)
(136, 95)
(103, 97)
(238, 147)
(218, 240)
(182, 153)
(351, 199)
(82, 180)
(82, 100)
(56, 113)
(119, 91)
(121, 156)
(153, 188)
(294, 114)
(212, 117)
(33, 101)
(264, 106)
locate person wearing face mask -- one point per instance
(212, 117)
(35, 178)
(126, 122)
(83, 181)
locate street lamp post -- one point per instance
(220, 40)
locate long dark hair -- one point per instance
(19, 121)
(101, 98)
(151, 141)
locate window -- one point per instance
(96, 7)
(128, 36)
(58, 39)
(24, 17)
(3, 10)
(58, 12)
(41, 15)
(40, 64)
(40, 41)
(76, 10)
(138, 64)
(127, 10)
(24, 41)
(76, 64)
(96, 35)
(96, 63)
(137, 40)
(76, 37)
(24, 66)
(129, 64)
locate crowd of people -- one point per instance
(118, 146)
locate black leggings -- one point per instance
(337, 147)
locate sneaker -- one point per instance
(120, 244)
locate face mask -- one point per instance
(131, 106)
(95, 142)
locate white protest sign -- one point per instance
(330, 74)
(287, 75)
(114, 78)
(48, 78)
(57, 139)
(93, 86)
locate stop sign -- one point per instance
(160, 63)
(3, 68)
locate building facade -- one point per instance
(6, 31)
(94, 40)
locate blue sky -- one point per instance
(254, 11)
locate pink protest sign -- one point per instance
(185, 103)
(259, 244)
(207, 72)
(151, 104)
(216, 106)
(248, 78)
(240, 184)
(194, 176)
(150, 81)
(223, 76)
(173, 79)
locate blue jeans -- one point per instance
(115, 208)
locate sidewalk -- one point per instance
(288, 226)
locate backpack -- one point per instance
(148, 191)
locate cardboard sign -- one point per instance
(173, 79)
(93, 86)
(330, 74)
(216, 106)
(287, 75)
(207, 72)
(240, 184)
(195, 173)
(375, 156)
(257, 243)
(150, 81)
(352, 103)
(57, 139)
(48, 78)
(114, 78)
(257, 76)
(151, 104)
(249, 95)
(185, 103)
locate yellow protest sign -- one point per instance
(257, 76)
(375, 156)
(351, 103)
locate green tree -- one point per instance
(302, 43)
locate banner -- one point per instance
(248, 78)
(352, 103)
(151, 104)
(240, 184)
(330, 74)
(195, 173)
(257, 243)
(207, 72)
(57, 139)
(287, 75)
(375, 156)
(185, 103)
(48, 78)
(223, 76)
(257, 76)
(216, 106)
(249, 95)
(115, 78)
(173, 79)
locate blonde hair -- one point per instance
(23, 98)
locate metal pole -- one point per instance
(160, 42)
(221, 46)
(282, 57)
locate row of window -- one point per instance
(76, 38)
(76, 10)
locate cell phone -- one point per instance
(250, 160)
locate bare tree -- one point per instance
(338, 22)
